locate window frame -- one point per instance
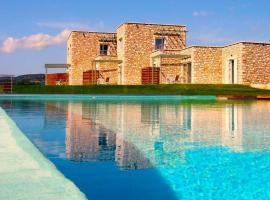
(160, 46)
(104, 51)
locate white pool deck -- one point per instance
(25, 173)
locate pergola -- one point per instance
(104, 59)
(157, 56)
(166, 54)
(54, 66)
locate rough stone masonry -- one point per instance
(120, 57)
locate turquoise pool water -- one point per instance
(152, 149)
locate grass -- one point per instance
(179, 89)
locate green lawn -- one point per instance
(180, 89)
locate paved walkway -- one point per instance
(25, 173)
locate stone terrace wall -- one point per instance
(109, 70)
(138, 44)
(206, 65)
(232, 52)
(170, 68)
(83, 48)
(256, 63)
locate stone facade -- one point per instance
(136, 43)
(134, 47)
(234, 52)
(211, 65)
(205, 64)
(256, 63)
(252, 62)
(83, 50)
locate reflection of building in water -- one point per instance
(217, 125)
(87, 140)
(54, 111)
(256, 126)
(141, 135)
(153, 128)
(232, 127)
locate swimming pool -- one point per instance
(152, 149)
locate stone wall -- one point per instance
(171, 68)
(256, 63)
(206, 64)
(253, 62)
(108, 72)
(138, 41)
(83, 48)
(232, 52)
(135, 47)
(121, 35)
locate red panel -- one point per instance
(150, 75)
(90, 77)
(57, 79)
(7, 87)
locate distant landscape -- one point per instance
(28, 79)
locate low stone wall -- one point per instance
(261, 86)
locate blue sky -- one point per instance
(33, 31)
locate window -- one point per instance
(159, 43)
(104, 49)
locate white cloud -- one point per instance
(36, 41)
(200, 13)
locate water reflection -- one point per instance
(191, 150)
(143, 135)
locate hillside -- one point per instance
(29, 79)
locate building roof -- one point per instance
(154, 24)
(235, 43)
(248, 42)
(91, 32)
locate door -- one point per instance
(232, 72)
(189, 72)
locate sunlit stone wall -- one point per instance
(83, 49)
(206, 64)
(137, 42)
(256, 63)
(235, 52)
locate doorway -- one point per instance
(232, 72)
(189, 72)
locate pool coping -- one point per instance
(32, 175)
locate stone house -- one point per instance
(140, 53)
(246, 63)
(125, 57)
